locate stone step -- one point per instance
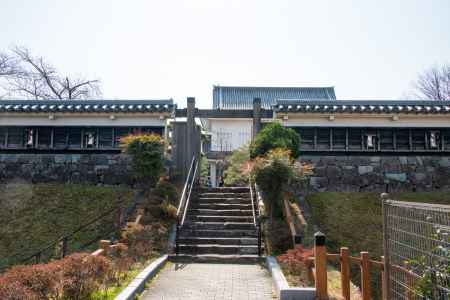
(224, 195)
(220, 212)
(219, 225)
(208, 218)
(217, 258)
(237, 233)
(217, 249)
(220, 206)
(218, 240)
(223, 200)
(224, 190)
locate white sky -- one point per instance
(174, 49)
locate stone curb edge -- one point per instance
(281, 285)
(137, 285)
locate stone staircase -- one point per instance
(219, 227)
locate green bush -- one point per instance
(147, 152)
(273, 173)
(236, 174)
(274, 136)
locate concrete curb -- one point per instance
(281, 285)
(137, 285)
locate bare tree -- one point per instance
(433, 84)
(7, 65)
(33, 78)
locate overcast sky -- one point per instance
(173, 49)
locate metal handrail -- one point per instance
(183, 194)
(258, 225)
(253, 204)
(189, 195)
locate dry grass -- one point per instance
(32, 216)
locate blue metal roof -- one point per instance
(68, 106)
(241, 97)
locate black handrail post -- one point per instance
(38, 257)
(177, 248)
(64, 243)
(259, 236)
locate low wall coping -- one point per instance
(137, 285)
(281, 285)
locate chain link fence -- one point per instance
(416, 249)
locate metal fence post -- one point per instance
(386, 278)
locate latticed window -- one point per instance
(386, 139)
(222, 141)
(434, 139)
(16, 137)
(446, 139)
(323, 139)
(3, 135)
(44, 138)
(90, 138)
(74, 137)
(354, 139)
(418, 139)
(60, 138)
(402, 139)
(119, 133)
(339, 138)
(30, 137)
(105, 137)
(307, 138)
(370, 140)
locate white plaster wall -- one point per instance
(229, 134)
(81, 120)
(367, 120)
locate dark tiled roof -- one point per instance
(363, 106)
(241, 97)
(68, 106)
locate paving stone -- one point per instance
(211, 281)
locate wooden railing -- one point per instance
(318, 272)
(295, 219)
(106, 247)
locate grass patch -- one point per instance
(32, 216)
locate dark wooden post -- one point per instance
(345, 273)
(365, 275)
(256, 116)
(383, 281)
(320, 263)
(190, 122)
(64, 243)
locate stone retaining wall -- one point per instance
(75, 168)
(379, 173)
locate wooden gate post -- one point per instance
(345, 273)
(365, 275)
(320, 263)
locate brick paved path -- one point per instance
(210, 281)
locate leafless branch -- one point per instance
(433, 84)
(34, 78)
